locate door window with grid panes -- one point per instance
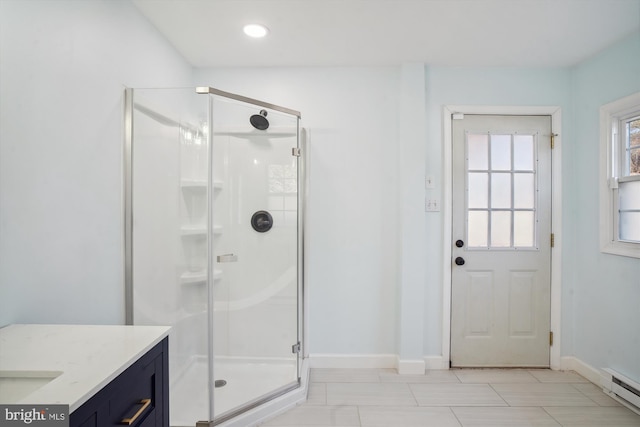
(501, 190)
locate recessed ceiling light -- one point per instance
(256, 30)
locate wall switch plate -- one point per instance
(429, 182)
(432, 205)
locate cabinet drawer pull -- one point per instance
(129, 421)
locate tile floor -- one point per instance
(454, 398)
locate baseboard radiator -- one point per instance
(622, 389)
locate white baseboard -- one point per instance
(410, 366)
(378, 361)
(353, 361)
(417, 366)
(436, 363)
(572, 363)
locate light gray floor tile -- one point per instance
(596, 394)
(600, 416)
(549, 376)
(317, 394)
(388, 394)
(454, 398)
(489, 376)
(436, 376)
(537, 394)
(347, 375)
(503, 417)
(375, 416)
(456, 395)
(318, 416)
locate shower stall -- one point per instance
(214, 245)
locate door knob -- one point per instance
(459, 243)
(459, 261)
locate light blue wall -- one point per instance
(63, 69)
(605, 288)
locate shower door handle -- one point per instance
(227, 258)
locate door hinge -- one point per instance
(553, 140)
(550, 338)
(295, 349)
(553, 240)
(295, 151)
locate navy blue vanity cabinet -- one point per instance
(138, 397)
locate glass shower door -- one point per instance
(168, 236)
(254, 255)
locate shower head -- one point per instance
(259, 121)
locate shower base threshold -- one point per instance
(246, 380)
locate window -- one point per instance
(620, 177)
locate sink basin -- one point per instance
(16, 385)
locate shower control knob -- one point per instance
(262, 221)
(459, 261)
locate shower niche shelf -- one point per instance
(198, 277)
(195, 184)
(190, 231)
(199, 184)
(193, 277)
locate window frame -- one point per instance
(611, 169)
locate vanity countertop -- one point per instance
(67, 364)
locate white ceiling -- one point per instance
(520, 33)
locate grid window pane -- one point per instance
(523, 152)
(629, 211)
(629, 194)
(523, 191)
(523, 229)
(478, 225)
(500, 190)
(500, 229)
(630, 226)
(478, 151)
(478, 190)
(501, 152)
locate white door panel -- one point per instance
(500, 314)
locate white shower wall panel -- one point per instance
(255, 298)
(255, 337)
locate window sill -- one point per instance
(631, 250)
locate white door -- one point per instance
(501, 255)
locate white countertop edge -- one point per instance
(89, 357)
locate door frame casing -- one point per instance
(556, 216)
